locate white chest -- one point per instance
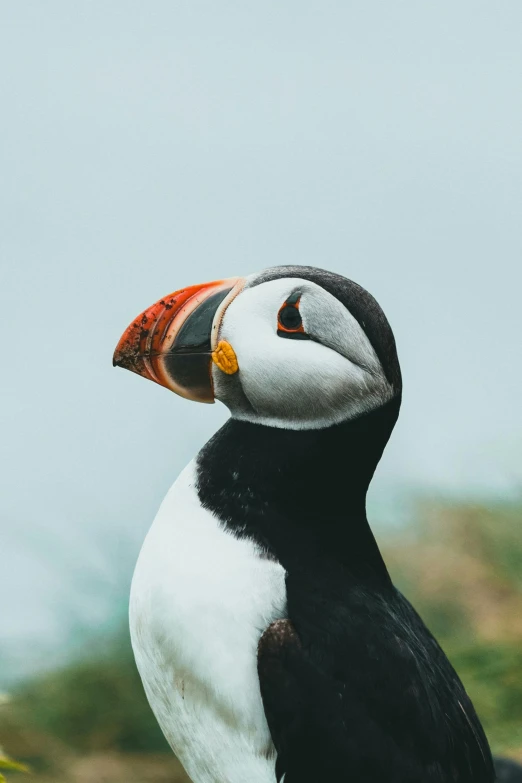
(200, 601)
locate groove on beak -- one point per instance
(171, 342)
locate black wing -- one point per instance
(380, 713)
(301, 707)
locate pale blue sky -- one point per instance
(146, 146)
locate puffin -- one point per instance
(270, 639)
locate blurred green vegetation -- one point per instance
(95, 704)
(461, 568)
(7, 763)
(459, 564)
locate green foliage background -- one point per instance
(460, 565)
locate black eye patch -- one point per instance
(294, 298)
(289, 321)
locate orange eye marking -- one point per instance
(289, 318)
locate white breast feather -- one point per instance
(200, 601)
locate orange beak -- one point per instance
(171, 342)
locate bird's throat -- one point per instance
(299, 494)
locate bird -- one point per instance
(270, 639)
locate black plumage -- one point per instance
(355, 687)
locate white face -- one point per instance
(298, 383)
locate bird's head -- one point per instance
(292, 347)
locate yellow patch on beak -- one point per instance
(225, 358)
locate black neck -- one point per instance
(301, 494)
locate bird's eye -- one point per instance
(290, 318)
(289, 321)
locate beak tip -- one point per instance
(123, 357)
(168, 343)
(118, 356)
